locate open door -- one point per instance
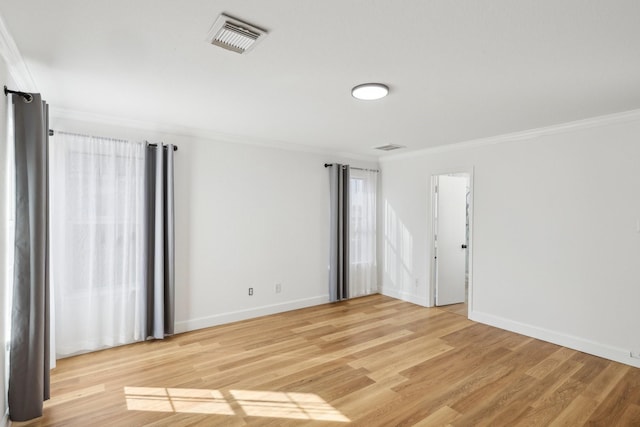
(450, 238)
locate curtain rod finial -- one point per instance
(27, 96)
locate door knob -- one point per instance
(464, 246)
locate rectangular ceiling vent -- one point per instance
(390, 147)
(234, 35)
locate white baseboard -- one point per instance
(250, 313)
(404, 296)
(4, 421)
(570, 341)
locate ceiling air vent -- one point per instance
(235, 35)
(390, 147)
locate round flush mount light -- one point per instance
(370, 91)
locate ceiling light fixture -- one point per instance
(370, 91)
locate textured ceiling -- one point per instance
(458, 70)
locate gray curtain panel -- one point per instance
(160, 257)
(339, 238)
(29, 352)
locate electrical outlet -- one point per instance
(635, 354)
(278, 288)
(250, 291)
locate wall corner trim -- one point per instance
(15, 62)
(527, 135)
(570, 341)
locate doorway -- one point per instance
(451, 241)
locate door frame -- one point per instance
(469, 171)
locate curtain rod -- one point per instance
(52, 132)
(326, 165)
(84, 135)
(175, 147)
(27, 96)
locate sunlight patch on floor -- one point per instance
(254, 403)
(276, 404)
(187, 400)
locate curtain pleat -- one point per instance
(29, 351)
(160, 256)
(339, 233)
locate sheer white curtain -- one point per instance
(9, 242)
(362, 233)
(97, 241)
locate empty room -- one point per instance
(283, 213)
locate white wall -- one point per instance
(246, 216)
(556, 244)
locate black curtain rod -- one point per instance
(27, 96)
(175, 147)
(326, 165)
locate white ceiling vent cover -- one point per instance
(390, 147)
(235, 35)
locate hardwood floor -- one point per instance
(372, 361)
(460, 309)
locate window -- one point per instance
(362, 232)
(97, 241)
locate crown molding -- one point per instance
(527, 135)
(191, 132)
(18, 69)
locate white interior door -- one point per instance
(450, 239)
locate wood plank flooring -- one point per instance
(460, 309)
(372, 361)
